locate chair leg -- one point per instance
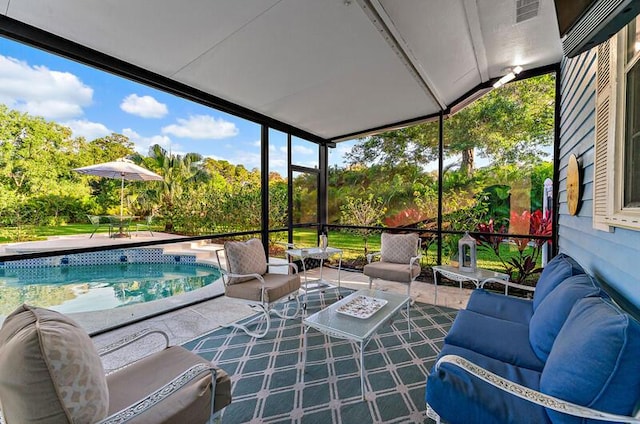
(284, 315)
(257, 334)
(212, 415)
(216, 418)
(265, 312)
(433, 414)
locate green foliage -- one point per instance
(498, 202)
(385, 179)
(525, 263)
(512, 124)
(362, 211)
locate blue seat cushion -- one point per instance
(459, 397)
(500, 306)
(493, 337)
(553, 311)
(595, 360)
(557, 270)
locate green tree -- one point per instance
(179, 173)
(362, 211)
(512, 124)
(37, 185)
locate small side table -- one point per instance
(319, 283)
(478, 277)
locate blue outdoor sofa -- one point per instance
(570, 355)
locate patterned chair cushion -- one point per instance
(245, 257)
(50, 371)
(398, 248)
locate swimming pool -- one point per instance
(89, 288)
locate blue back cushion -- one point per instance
(552, 312)
(594, 360)
(556, 271)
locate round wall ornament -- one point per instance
(573, 185)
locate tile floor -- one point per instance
(192, 321)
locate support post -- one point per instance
(264, 188)
(289, 192)
(323, 189)
(440, 179)
(556, 163)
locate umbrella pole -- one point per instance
(121, 195)
(120, 221)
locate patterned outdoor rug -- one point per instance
(268, 384)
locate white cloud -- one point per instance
(142, 144)
(279, 166)
(40, 91)
(303, 150)
(145, 106)
(87, 129)
(337, 155)
(202, 127)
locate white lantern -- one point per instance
(467, 253)
(324, 242)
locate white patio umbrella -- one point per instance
(122, 169)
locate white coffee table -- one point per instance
(358, 330)
(311, 285)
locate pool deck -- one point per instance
(192, 317)
(82, 241)
(193, 321)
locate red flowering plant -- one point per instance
(524, 263)
(493, 240)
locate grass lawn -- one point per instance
(7, 235)
(41, 232)
(353, 247)
(307, 237)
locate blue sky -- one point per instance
(94, 104)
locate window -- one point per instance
(632, 119)
(617, 140)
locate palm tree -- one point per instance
(178, 172)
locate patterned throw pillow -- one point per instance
(399, 248)
(50, 370)
(245, 257)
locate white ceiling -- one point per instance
(324, 66)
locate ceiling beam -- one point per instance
(390, 127)
(475, 32)
(382, 21)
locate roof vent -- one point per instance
(526, 9)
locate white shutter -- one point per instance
(603, 176)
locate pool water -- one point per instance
(98, 287)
